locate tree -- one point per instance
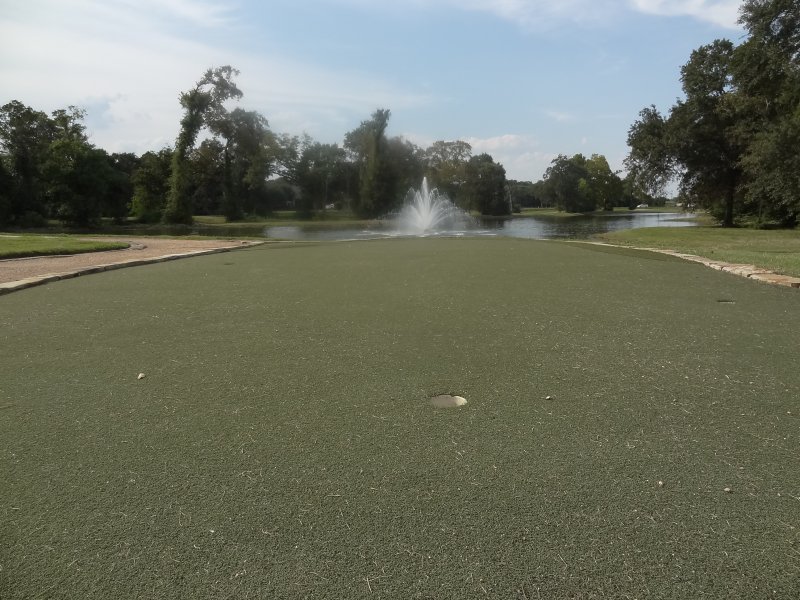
(486, 183)
(151, 181)
(700, 131)
(733, 139)
(766, 72)
(25, 136)
(602, 185)
(523, 194)
(566, 180)
(697, 140)
(446, 167)
(322, 176)
(651, 162)
(119, 193)
(207, 173)
(367, 145)
(202, 105)
(246, 159)
(78, 177)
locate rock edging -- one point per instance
(742, 270)
(21, 284)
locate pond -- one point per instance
(540, 228)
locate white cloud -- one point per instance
(124, 60)
(723, 13)
(530, 14)
(560, 116)
(519, 154)
(543, 14)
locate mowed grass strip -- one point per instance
(776, 250)
(24, 245)
(282, 444)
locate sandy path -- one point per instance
(142, 248)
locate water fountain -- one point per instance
(427, 211)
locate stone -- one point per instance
(447, 401)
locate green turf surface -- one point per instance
(281, 444)
(777, 250)
(22, 245)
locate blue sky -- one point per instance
(523, 80)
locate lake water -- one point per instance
(539, 228)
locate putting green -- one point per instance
(283, 445)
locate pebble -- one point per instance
(141, 376)
(727, 490)
(447, 401)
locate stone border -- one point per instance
(749, 271)
(21, 284)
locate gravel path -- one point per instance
(142, 248)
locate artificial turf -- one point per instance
(281, 443)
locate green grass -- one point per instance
(329, 219)
(23, 245)
(776, 250)
(552, 212)
(281, 444)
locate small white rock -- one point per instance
(141, 376)
(727, 490)
(660, 484)
(548, 398)
(448, 401)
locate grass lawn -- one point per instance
(22, 245)
(777, 250)
(329, 219)
(553, 212)
(282, 445)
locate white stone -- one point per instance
(447, 401)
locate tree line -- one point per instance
(239, 168)
(733, 142)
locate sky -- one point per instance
(524, 80)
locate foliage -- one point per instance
(48, 169)
(150, 185)
(203, 105)
(486, 186)
(25, 137)
(446, 168)
(563, 178)
(367, 146)
(732, 140)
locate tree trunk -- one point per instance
(728, 218)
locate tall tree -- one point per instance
(602, 185)
(151, 181)
(701, 129)
(766, 71)
(566, 181)
(650, 162)
(486, 182)
(446, 167)
(202, 105)
(367, 144)
(25, 136)
(119, 194)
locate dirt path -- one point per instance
(19, 273)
